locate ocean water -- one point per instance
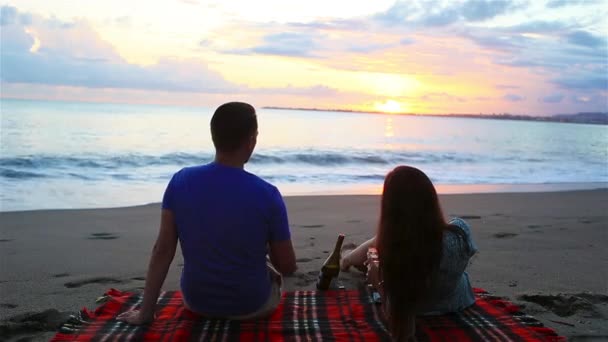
(82, 155)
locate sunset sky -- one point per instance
(522, 57)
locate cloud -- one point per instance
(434, 13)
(368, 48)
(313, 91)
(456, 43)
(538, 26)
(539, 46)
(562, 3)
(587, 39)
(8, 15)
(442, 18)
(513, 97)
(336, 24)
(506, 86)
(581, 82)
(407, 41)
(554, 98)
(293, 44)
(596, 102)
(441, 97)
(167, 74)
(553, 57)
(478, 10)
(70, 53)
(497, 40)
(544, 53)
(524, 61)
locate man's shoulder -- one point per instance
(190, 170)
(189, 174)
(247, 182)
(261, 183)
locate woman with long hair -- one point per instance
(422, 258)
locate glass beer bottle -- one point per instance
(331, 266)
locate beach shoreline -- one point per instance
(542, 250)
(308, 190)
(442, 189)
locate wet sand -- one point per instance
(544, 251)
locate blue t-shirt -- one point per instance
(225, 218)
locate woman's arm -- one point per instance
(358, 256)
(162, 256)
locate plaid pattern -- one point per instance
(341, 315)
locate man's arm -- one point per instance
(162, 256)
(282, 256)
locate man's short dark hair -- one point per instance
(232, 124)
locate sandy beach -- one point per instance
(544, 251)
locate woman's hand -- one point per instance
(135, 317)
(345, 263)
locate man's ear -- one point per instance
(251, 143)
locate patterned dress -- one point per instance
(453, 291)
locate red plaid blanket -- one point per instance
(342, 315)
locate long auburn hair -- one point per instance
(410, 243)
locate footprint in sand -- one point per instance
(138, 278)
(565, 305)
(469, 217)
(6, 240)
(61, 275)
(311, 226)
(102, 236)
(48, 320)
(8, 305)
(97, 280)
(504, 235)
(303, 260)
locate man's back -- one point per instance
(225, 218)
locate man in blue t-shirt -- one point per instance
(229, 223)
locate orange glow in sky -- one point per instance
(389, 56)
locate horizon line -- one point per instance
(356, 111)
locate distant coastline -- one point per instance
(594, 118)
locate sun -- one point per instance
(389, 106)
